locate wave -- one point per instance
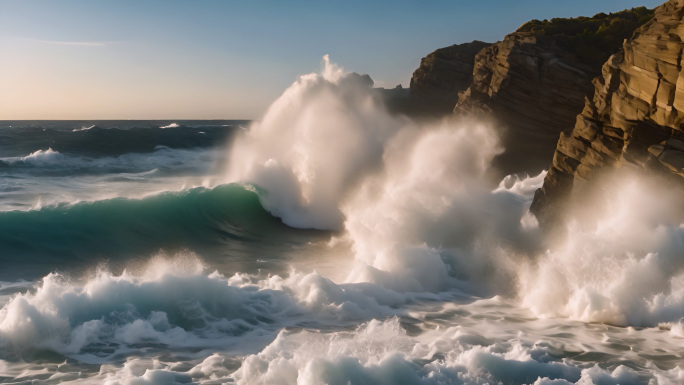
(42, 156)
(195, 219)
(176, 302)
(428, 233)
(286, 329)
(38, 158)
(416, 203)
(164, 159)
(84, 128)
(95, 141)
(172, 125)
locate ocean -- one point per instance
(328, 242)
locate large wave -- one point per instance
(451, 279)
(421, 213)
(195, 219)
(416, 200)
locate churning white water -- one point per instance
(434, 273)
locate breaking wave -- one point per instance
(442, 276)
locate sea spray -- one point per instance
(421, 215)
(174, 301)
(450, 280)
(620, 260)
(414, 199)
(314, 144)
(427, 222)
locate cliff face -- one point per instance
(441, 76)
(534, 81)
(533, 90)
(635, 116)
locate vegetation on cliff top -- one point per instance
(591, 39)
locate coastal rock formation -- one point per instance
(635, 116)
(534, 81)
(533, 90)
(441, 76)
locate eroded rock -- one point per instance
(441, 76)
(636, 113)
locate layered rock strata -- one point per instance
(635, 116)
(442, 74)
(533, 90)
(534, 81)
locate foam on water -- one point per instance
(39, 157)
(175, 303)
(426, 223)
(415, 200)
(51, 178)
(442, 275)
(421, 214)
(382, 352)
(84, 128)
(331, 133)
(621, 261)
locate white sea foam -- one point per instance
(428, 232)
(621, 261)
(428, 222)
(382, 353)
(421, 214)
(175, 303)
(83, 128)
(41, 157)
(415, 200)
(172, 125)
(331, 133)
(132, 175)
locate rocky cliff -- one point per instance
(441, 76)
(533, 91)
(634, 117)
(534, 81)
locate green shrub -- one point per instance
(591, 39)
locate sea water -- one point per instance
(329, 242)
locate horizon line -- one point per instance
(129, 119)
(94, 43)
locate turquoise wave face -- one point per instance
(224, 221)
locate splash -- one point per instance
(421, 225)
(174, 301)
(415, 199)
(621, 261)
(40, 157)
(315, 143)
(450, 279)
(420, 212)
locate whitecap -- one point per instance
(83, 128)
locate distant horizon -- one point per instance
(79, 60)
(114, 120)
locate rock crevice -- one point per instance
(635, 117)
(533, 90)
(442, 74)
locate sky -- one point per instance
(211, 59)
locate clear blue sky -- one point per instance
(164, 59)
